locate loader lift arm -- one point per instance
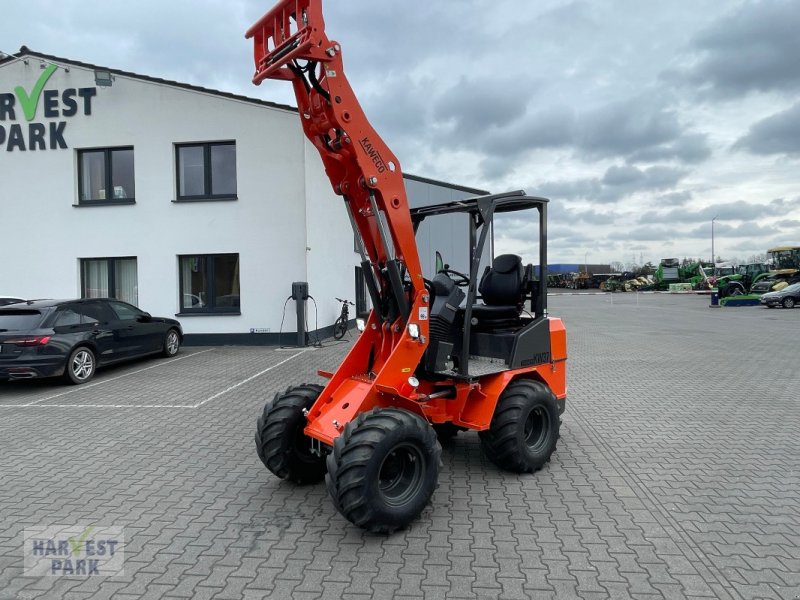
(290, 44)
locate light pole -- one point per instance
(585, 264)
(713, 260)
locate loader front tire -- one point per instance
(280, 442)
(525, 427)
(383, 469)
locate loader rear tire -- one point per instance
(383, 469)
(280, 442)
(525, 427)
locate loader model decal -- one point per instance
(376, 157)
(537, 359)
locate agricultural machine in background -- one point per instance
(671, 270)
(627, 282)
(784, 271)
(743, 278)
(431, 358)
(754, 279)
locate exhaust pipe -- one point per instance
(21, 375)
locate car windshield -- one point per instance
(19, 320)
(795, 287)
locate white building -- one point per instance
(179, 199)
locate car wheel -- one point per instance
(788, 302)
(172, 343)
(81, 366)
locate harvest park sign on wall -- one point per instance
(56, 104)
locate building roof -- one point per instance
(25, 51)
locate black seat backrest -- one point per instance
(501, 285)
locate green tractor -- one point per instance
(740, 282)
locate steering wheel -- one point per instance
(461, 279)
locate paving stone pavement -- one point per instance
(676, 475)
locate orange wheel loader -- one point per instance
(461, 351)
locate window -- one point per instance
(110, 278)
(125, 312)
(209, 283)
(206, 171)
(85, 313)
(105, 176)
(67, 318)
(19, 319)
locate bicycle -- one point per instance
(340, 326)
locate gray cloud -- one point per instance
(627, 126)
(748, 230)
(505, 126)
(475, 106)
(789, 224)
(647, 234)
(726, 211)
(579, 225)
(753, 48)
(618, 182)
(778, 134)
(690, 148)
(674, 199)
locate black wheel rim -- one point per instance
(537, 429)
(401, 475)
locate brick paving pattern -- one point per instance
(677, 475)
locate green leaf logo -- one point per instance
(29, 102)
(76, 545)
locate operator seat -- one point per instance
(502, 291)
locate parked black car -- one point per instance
(788, 297)
(5, 300)
(72, 338)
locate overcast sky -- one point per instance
(641, 121)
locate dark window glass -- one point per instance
(191, 171)
(206, 171)
(122, 174)
(106, 175)
(93, 175)
(110, 278)
(210, 283)
(67, 317)
(226, 280)
(223, 170)
(94, 312)
(124, 312)
(19, 320)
